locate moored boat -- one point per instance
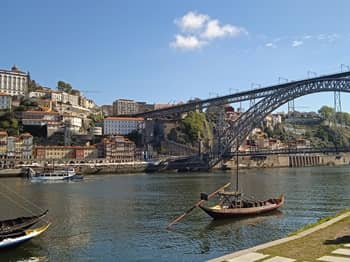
(66, 174)
(10, 226)
(14, 239)
(234, 205)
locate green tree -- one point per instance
(195, 126)
(326, 112)
(63, 86)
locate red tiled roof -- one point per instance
(41, 112)
(66, 147)
(124, 118)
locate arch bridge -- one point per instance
(258, 93)
(235, 134)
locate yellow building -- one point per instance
(65, 152)
(3, 144)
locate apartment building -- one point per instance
(65, 152)
(122, 125)
(117, 148)
(16, 147)
(125, 107)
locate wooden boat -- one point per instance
(14, 239)
(234, 205)
(18, 224)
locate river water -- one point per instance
(123, 217)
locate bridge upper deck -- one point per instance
(233, 98)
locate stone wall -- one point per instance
(291, 161)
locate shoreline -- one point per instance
(143, 167)
(277, 248)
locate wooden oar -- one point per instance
(196, 205)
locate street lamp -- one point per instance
(282, 78)
(346, 66)
(309, 72)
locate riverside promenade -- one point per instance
(327, 241)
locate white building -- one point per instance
(56, 96)
(122, 125)
(5, 101)
(13, 82)
(27, 146)
(71, 99)
(73, 122)
(96, 131)
(87, 103)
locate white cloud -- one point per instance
(214, 30)
(187, 42)
(199, 29)
(297, 43)
(307, 36)
(321, 37)
(192, 21)
(271, 45)
(332, 37)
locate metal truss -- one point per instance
(230, 99)
(236, 133)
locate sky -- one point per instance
(161, 51)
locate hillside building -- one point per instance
(14, 82)
(122, 125)
(5, 101)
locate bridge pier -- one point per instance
(305, 160)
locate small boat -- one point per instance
(19, 224)
(234, 205)
(66, 174)
(14, 239)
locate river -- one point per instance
(123, 217)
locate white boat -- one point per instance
(20, 237)
(67, 173)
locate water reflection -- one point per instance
(29, 251)
(251, 221)
(123, 218)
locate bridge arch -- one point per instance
(235, 134)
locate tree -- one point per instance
(326, 112)
(63, 86)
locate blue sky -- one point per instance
(170, 51)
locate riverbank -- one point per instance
(302, 160)
(100, 166)
(84, 169)
(326, 240)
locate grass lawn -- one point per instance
(314, 245)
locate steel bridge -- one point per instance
(232, 98)
(235, 134)
(290, 151)
(270, 97)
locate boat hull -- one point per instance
(226, 213)
(27, 235)
(54, 175)
(18, 224)
(52, 178)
